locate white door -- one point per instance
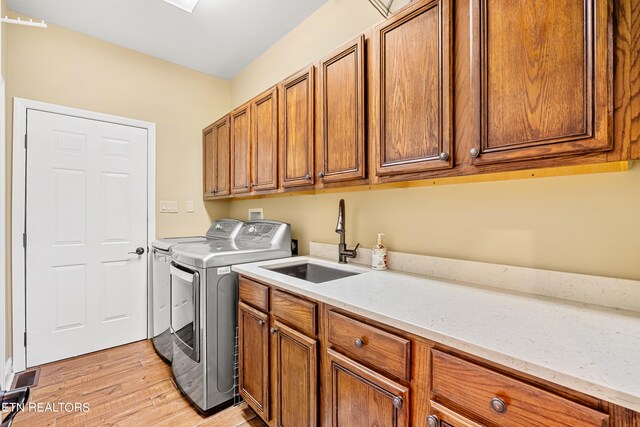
(86, 211)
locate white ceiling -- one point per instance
(220, 38)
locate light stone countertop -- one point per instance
(587, 348)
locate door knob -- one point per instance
(139, 251)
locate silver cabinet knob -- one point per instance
(498, 405)
(474, 152)
(397, 402)
(444, 156)
(432, 421)
(321, 174)
(307, 177)
(260, 322)
(358, 342)
(273, 331)
(246, 186)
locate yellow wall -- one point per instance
(587, 224)
(64, 67)
(332, 24)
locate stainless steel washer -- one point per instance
(160, 317)
(204, 300)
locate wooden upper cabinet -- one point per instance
(296, 374)
(412, 90)
(297, 117)
(341, 122)
(240, 123)
(543, 76)
(362, 397)
(264, 137)
(208, 163)
(216, 150)
(253, 354)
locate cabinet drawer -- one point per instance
(298, 313)
(254, 294)
(504, 400)
(370, 345)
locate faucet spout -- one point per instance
(343, 252)
(340, 224)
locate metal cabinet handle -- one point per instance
(273, 331)
(358, 342)
(397, 402)
(474, 152)
(321, 174)
(498, 405)
(444, 156)
(246, 186)
(138, 251)
(260, 322)
(432, 421)
(307, 177)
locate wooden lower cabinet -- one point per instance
(253, 349)
(295, 358)
(303, 363)
(362, 397)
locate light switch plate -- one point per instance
(168, 206)
(189, 206)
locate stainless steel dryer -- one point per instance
(160, 291)
(204, 300)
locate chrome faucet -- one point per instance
(343, 252)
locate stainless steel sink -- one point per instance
(312, 272)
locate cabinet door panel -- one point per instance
(222, 150)
(296, 378)
(253, 349)
(413, 90)
(341, 153)
(208, 163)
(362, 397)
(543, 70)
(240, 150)
(297, 116)
(265, 141)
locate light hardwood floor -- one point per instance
(124, 386)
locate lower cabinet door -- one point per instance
(253, 349)
(296, 375)
(362, 397)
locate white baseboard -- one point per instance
(8, 374)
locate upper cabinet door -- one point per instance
(412, 90)
(208, 165)
(240, 150)
(341, 148)
(297, 115)
(542, 71)
(222, 151)
(264, 168)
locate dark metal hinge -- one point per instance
(25, 141)
(24, 240)
(25, 339)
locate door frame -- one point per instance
(18, 211)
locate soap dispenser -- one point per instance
(379, 255)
